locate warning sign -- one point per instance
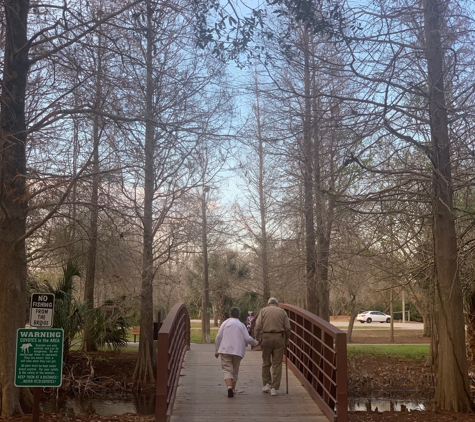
(39, 357)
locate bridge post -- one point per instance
(162, 378)
(341, 378)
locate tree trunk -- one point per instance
(434, 338)
(205, 318)
(88, 343)
(215, 315)
(391, 313)
(262, 205)
(322, 244)
(13, 198)
(324, 217)
(427, 321)
(470, 322)
(323, 232)
(353, 314)
(146, 364)
(452, 391)
(313, 300)
(221, 307)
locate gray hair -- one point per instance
(234, 312)
(272, 300)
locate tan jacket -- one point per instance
(272, 319)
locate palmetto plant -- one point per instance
(68, 312)
(109, 326)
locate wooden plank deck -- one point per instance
(202, 394)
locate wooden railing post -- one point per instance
(341, 378)
(162, 377)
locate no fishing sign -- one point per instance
(42, 310)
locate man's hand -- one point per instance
(216, 355)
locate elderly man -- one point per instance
(272, 329)
(231, 343)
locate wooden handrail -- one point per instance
(317, 356)
(172, 344)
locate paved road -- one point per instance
(378, 325)
(375, 325)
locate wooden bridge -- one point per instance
(190, 386)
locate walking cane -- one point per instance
(286, 370)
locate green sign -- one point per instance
(39, 357)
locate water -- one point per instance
(144, 404)
(385, 405)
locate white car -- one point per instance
(370, 316)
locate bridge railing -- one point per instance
(317, 356)
(172, 344)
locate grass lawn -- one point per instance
(397, 351)
(385, 327)
(195, 336)
(195, 328)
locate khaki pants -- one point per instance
(272, 346)
(230, 366)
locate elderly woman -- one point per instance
(231, 343)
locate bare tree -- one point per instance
(20, 56)
(415, 117)
(179, 114)
(453, 391)
(318, 126)
(259, 169)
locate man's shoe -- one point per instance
(273, 392)
(230, 392)
(266, 388)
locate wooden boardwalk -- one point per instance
(202, 394)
